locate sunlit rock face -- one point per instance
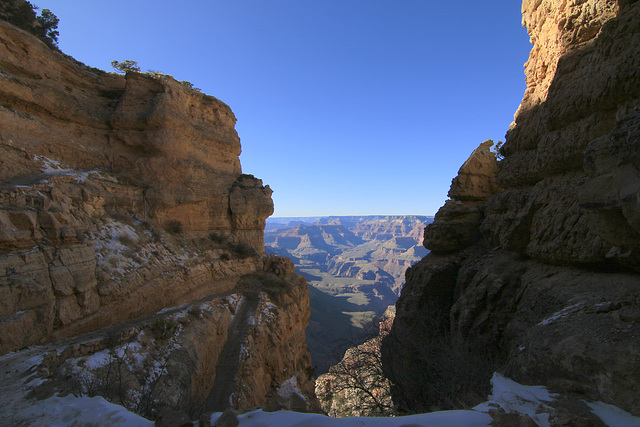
(457, 222)
(542, 278)
(122, 198)
(94, 166)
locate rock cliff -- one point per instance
(121, 196)
(534, 269)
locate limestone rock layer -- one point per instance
(539, 276)
(122, 198)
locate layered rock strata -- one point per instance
(96, 169)
(539, 276)
(180, 358)
(122, 197)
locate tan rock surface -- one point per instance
(175, 358)
(176, 145)
(457, 223)
(122, 200)
(94, 166)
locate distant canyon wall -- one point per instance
(535, 258)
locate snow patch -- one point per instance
(290, 387)
(612, 415)
(97, 360)
(80, 411)
(267, 310)
(232, 299)
(560, 314)
(56, 168)
(514, 397)
(434, 419)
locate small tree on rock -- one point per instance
(49, 26)
(22, 14)
(125, 66)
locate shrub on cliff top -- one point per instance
(22, 14)
(497, 150)
(125, 66)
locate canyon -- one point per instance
(133, 264)
(355, 267)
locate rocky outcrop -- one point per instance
(456, 224)
(97, 169)
(177, 147)
(181, 357)
(122, 198)
(538, 276)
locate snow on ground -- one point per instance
(523, 399)
(19, 375)
(80, 411)
(290, 387)
(122, 248)
(612, 415)
(55, 168)
(267, 310)
(560, 314)
(435, 419)
(112, 242)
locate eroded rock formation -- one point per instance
(86, 154)
(538, 274)
(121, 196)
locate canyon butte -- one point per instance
(132, 262)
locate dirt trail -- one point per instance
(224, 385)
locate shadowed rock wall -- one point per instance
(539, 274)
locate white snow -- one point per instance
(612, 415)
(55, 168)
(251, 321)
(507, 394)
(232, 299)
(268, 310)
(97, 360)
(514, 397)
(560, 314)
(434, 419)
(76, 411)
(290, 387)
(80, 411)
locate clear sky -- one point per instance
(344, 107)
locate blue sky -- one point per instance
(350, 107)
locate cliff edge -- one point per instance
(534, 263)
(122, 203)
